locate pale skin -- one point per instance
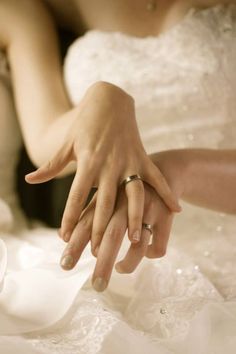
(46, 116)
(199, 176)
(61, 131)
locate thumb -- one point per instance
(49, 170)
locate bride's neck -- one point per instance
(128, 16)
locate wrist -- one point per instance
(175, 166)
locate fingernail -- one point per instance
(136, 236)
(118, 268)
(178, 209)
(66, 236)
(67, 262)
(178, 206)
(28, 176)
(99, 284)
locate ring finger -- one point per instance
(137, 251)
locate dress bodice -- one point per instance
(183, 81)
(184, 85)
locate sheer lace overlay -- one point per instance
(182, 81)
(84, 332)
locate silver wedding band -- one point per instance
(131, 179)
(147, 227)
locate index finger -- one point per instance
(110, 247)
(79, 191)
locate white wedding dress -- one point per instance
(184, 85)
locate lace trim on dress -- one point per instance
(84, 333)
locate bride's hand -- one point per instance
(105, 143)
(155, 213)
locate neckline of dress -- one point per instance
(189, 14)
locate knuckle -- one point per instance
(76, 198)
(107, 203)
(90, 159)
(150, 204)
(85, 223)
(160, 252)
(96, 238)
(116, 233)
(136, 219)
(86, 155)
(98, 229)
(49, 165)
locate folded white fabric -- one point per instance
(36, 292)
(3, 262)
(16, 345)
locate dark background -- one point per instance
(44, 201)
